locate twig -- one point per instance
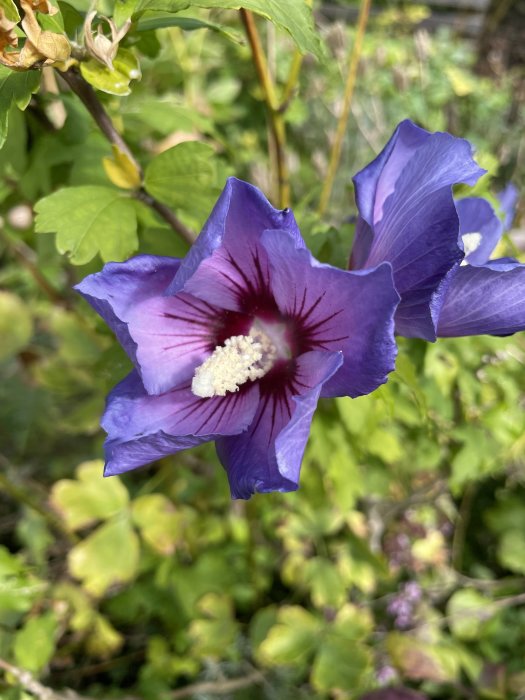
(166, 213)
(25, 255)
(31, 685)
(355, 56)
(275, 114)
(217, 687)
(89, 98)
(485, 612)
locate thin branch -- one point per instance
(25, 255)
(27, 681)
(89, 98)
(355, 56)
(31, 685)
(485, 612)
(218, 687)
(166, 213)
(274, 110)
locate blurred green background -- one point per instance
(401, 559)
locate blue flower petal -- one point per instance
(477, 217)
(508, 198)
(267, 457)
(488, 299)
(409, 219)
(119, 287)
(337, 310)
(239, 217)
(143, 428)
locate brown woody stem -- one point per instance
(89, 98)
(351, 78)
(275, 114)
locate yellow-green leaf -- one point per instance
(217, 629)
(159, 524)
(467, 610)
(121, 170)
(292, 639)
(107, 557)
(341, 664)
(89, 497)
(115, 82)
(9, 10)
(35, 642)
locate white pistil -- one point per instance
(471, 242)
(240, 359)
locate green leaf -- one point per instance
(406, 373)
(17, 588)
(71, 17)
(150, 21)
(77, 343)
(115, 82)
(16, 87)
(327, 587)
(52, 23)
(89, 220)
(385, 445)
(35, 643)
(353, 623)
(90, 497)
(9, 10)
(294, 16)
(217, 631)
(184, 177)
(163, 116)
(104, 640)
(293, 639)
(107, 557)
(123, 10)
(511, 551)
(159, 524)
(358, 415)
(475, 458)
(16, 325)
(467, 610)
(341, 664)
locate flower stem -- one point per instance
(89, 98)
(275, 114)
(291, 82)
(353, 65)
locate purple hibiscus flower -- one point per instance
(407, 217)
(236, 342)
(483, 295)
